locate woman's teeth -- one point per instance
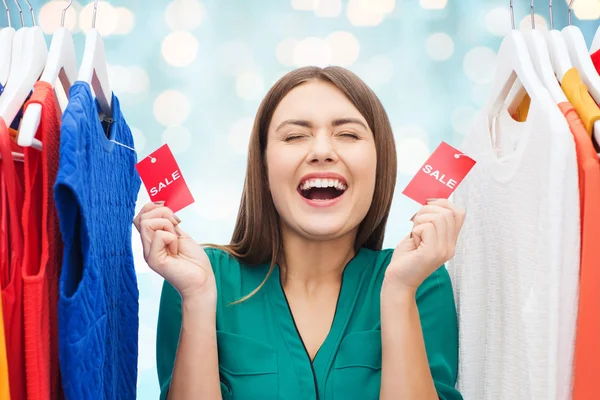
(322, 183)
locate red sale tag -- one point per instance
(163, 179)
(440, 175)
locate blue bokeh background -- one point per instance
(191, 73)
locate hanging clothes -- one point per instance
(579, 97)
(43, 253)
(95, 193)
(12, 290)
(516, 268)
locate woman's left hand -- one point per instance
(431, 243)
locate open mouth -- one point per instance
(322, 189)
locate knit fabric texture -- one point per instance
(95, 193)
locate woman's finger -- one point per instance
(149, 227)
(426, 234)
(164, 245)
(146, 208)
(161, 212)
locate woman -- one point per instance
(303, 303)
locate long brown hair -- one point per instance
(257, 237)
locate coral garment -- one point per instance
(587, 343)
(12, 280)
(42, 253)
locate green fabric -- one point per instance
(262, 357)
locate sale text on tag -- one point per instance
(440, 175)
(163, 179)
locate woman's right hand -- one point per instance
(173, 254)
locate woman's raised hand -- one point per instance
(173, 254)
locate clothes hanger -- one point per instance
(557, 47)
(514, 62)
(6, 42)
(27, 72)
(581, 57)
(18, 45)
(596, 42)
(583, 62)
(93, 69)
(61, 64)
(540, 57)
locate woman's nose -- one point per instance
(322, 149)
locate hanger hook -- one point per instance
(512, 14)
(20, 13)
(531, 9)
(94, 15)
(570, 10)
(64, 13)
(31, 11)
(551, 16)
(7, 12)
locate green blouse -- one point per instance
(261, 355)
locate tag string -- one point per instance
(460, 155)
(152, 159)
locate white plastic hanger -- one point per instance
(583, 62)
(596, 42)
(538, 50)
(18, 46)
(28, 71)
(93, 68)
(581, 57)
(513, 62)
(61, 64)
(559, 54)
(6, 41)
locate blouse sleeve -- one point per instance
(435, 301)
(167, 336)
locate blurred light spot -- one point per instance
(50, 14)
(344, 48)
(249, 85)
(462, 118)
(221, 201)
(304, 5)
(133, 80)
(540, 23)
(239, 135)
(328, 8)
(185, 15)
(360, 15)
(378, 70)
(440, 46)
(139, 140)
(235, 57)
(479, 64)
(125, 21)
(312, 51)
(412, 153)
(586, 9)
(433, 4)
(414, 88)
(178, 138)
(382, 7)
(171, 108)
(106, 18)
(139, 81)
(180, 48)
(285, 51)
(497, 21)
(481, 92)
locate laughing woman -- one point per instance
(303, 303)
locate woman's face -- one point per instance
(321, 162)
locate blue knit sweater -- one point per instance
(95, 193)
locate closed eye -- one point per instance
(290, 138)
(349, 135)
